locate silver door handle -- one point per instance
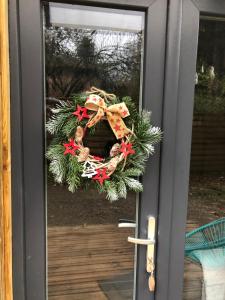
(150, 255)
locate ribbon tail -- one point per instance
(118, 126)
(96, 118)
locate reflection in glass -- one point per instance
(88, 255)
(204, 275)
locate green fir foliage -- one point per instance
(74, 172)
(58, 162)
(65, 168)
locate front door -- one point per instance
(69, 245)
(191, 207)
(168, 56)
(200, 205)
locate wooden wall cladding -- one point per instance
(5, 162)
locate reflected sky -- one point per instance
(89, 17)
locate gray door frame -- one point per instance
(181, 55)
(27, 115)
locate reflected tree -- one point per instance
(79, 58)
(210, 87)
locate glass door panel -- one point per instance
(88, 255)
(204, 274)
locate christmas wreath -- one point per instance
(70, 157)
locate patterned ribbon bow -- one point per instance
(114, 114)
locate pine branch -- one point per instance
(138, 161)
(133, 184)
(79, 99)
(58, 164)
(70, 126)
(56, 123)
(135, 172)
(122, 189)
(62, 107)
(111, 190)
(74, 174)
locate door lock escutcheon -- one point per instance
(150, 253)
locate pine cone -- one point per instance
(79, 134)
(83, 156)
(115, 150)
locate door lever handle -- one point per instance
(127, 225)
(141, 241)
(150, 255)
(124, 223)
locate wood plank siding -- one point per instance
(208, 143)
